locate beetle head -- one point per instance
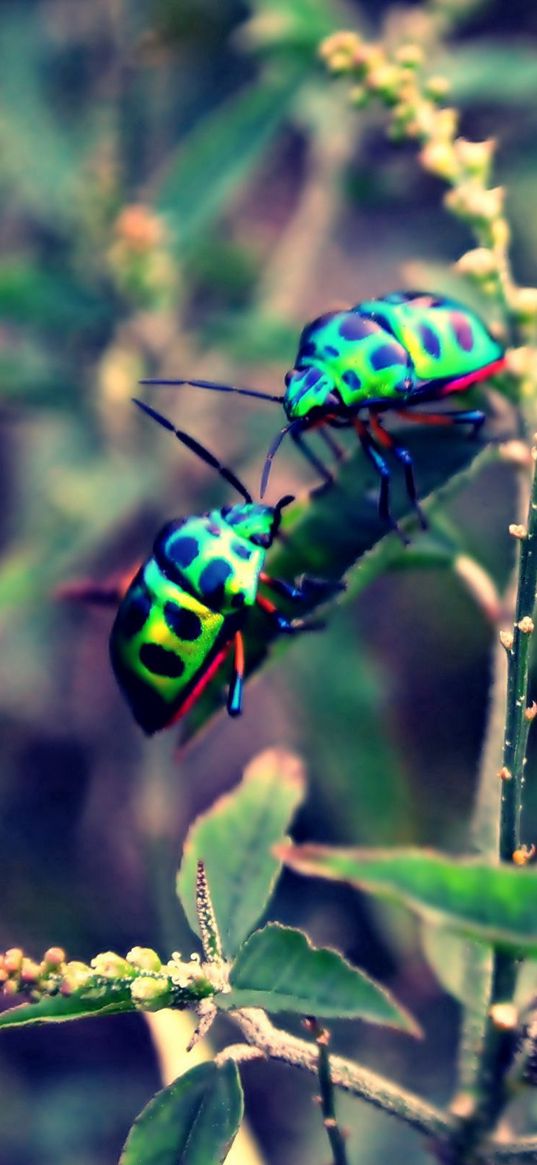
(255, 522)
(309, 391)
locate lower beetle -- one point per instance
(186, 607)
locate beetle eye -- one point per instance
(287, 377)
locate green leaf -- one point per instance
(235, 839)
(221, 152)
(280, 970)
(192, 1122)
(490, 903)
(298, 27)
(106, 999)
(503, 74)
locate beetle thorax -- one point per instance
(253, 522)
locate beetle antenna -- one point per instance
(200, 450)
(293, 426)
(215, 386)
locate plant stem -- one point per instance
(326, 1089)
(522, 1150)
(369, 1086)
(490, 1085)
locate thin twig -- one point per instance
(522, 1150)
(326, 1090)
(391, 1098)
(491, 1087)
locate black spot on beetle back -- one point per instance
(185, 624)
(386, 355)
(212, 580)
(356, 327)
(351, 379)
(160, 661)
(462, 331)
(430, 340)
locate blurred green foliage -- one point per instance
(216, 122)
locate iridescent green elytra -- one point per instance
(387, 352)
(187, 605)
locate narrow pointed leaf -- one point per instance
(108, 1000)
(490, 903)
(192, 1122)
(336, 531)
(278, 969)
(234, 840)
(221, 152)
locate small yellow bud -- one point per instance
(505, 774)
(111, 966)
(54, 957)
(13, 960)
(445, 124)
(75, 977)
(478, 264)
(472, 202)
(526, 625)
(384, 80)
(29, 971)
(531, 711)
(151, 993)
(519, 361)
(463, 1105)
(524, 854)
(409, 55)
(518, 531)
(475, 157)
(339, 51)
(144, 959)
(437, 87)
(507, 639)
(439, 158)
(369, 57)
(523, 303)
(504, 1016)
(139, 227)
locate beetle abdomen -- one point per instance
(162, 642)
(444, 338)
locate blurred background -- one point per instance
(182, 188)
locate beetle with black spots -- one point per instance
(186, 608)
(388, 354)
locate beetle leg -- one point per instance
(390, 442)
(304, 588)
(334, 446)
(474, 417)
(285, 625)
(312, 457)
(234, 700)
(383, 470)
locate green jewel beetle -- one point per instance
(388, 354)
(186, 608)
